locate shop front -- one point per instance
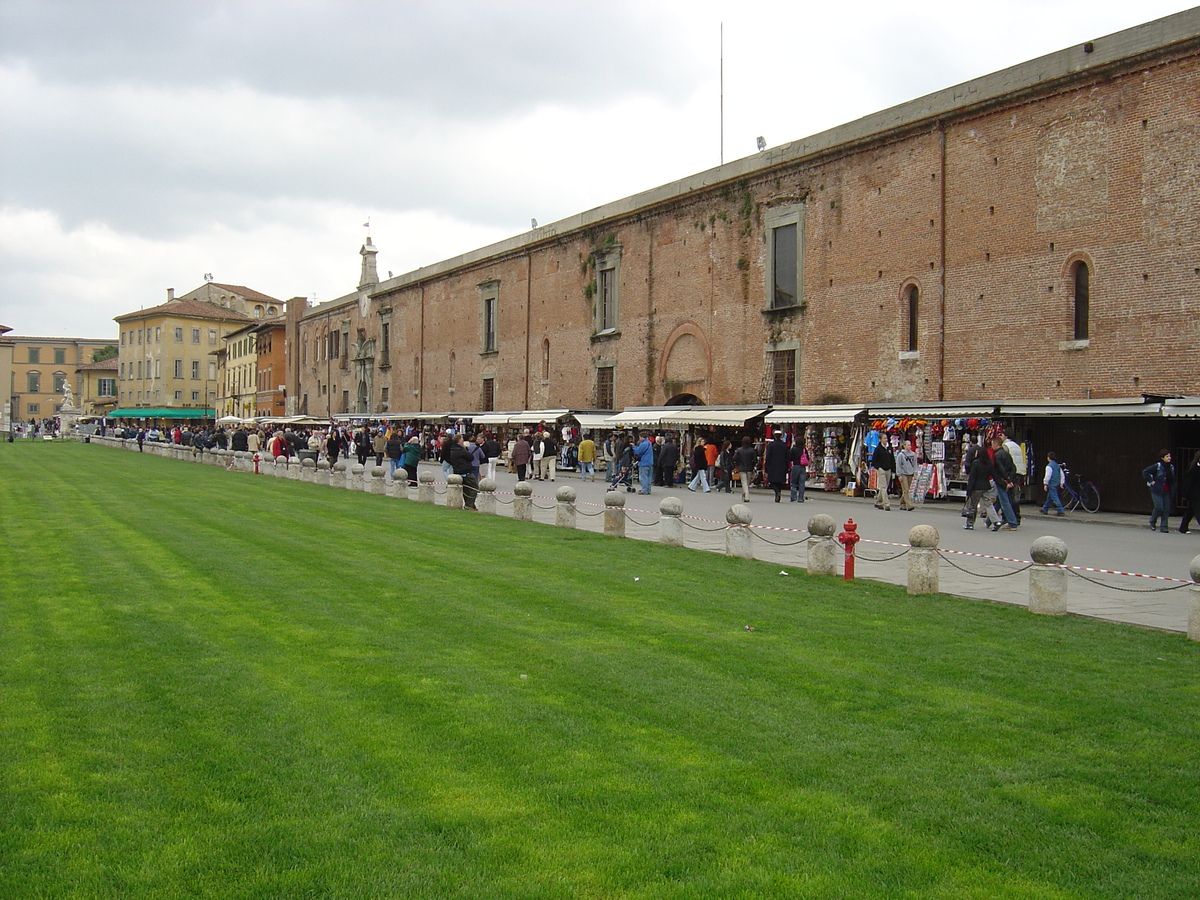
(829, 433)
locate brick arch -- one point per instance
(694, 370)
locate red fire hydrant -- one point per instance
(256, 459)
(848, 539)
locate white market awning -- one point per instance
(593, 421)
(534, 416)
(1182, 408)
(1109, 407)
(978, 409)
(493, 418)
(641, 415)
(733, 416)
(807, 415)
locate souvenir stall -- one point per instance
(940, 434)
(830, 434)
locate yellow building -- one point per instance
(40, 369)
(167, 364)
(98, 392)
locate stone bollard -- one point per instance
(378, 482)
(240, 460)
(564, 511)
(823, 551)
(279, 466)
(737, 535)
(1047, 582)
(614, 514)
(399, 487)
(923, 560)
(425, 487)
(337, 473)
(486, 501)
(322, 476)
(1194, 605)
(670, 526)
(454, 492)
(354, 477)
(293, 468)
(308, 471)
(523, 502)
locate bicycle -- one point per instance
(1081, 494)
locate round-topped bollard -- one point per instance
(523, 501)
(454, 492)
(1047, 582)
(486, 502)
(737, 536)
(614, 514)
(564, 507)
(923, 560)
(670, 525)
(823, 551)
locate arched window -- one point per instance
(35, 382)
(545, 359)
(258, 312)
(1083, 287)
(60, 379)
(912, 298)
(451, 369)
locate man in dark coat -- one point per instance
(668, 459)
(775, 464)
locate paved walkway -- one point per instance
(978, 564)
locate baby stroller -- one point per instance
(624, 471)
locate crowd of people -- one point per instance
(639, 460)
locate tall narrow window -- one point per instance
(785, 250)
(545, 359)
(385, 343)
(1082, 301)
(604, 387)
(489, 394)
(783, 376)
(913, 299)
(34, 382)
(60, 378)
(608, 271)
(489, 297)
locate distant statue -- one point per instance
(68, 396)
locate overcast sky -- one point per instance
(144, 143)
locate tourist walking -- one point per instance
(668, 459)
(981, 491)
(522, 453)
(906, 470)
(699, 467)
(884, 463)
(776, 464)
(643, 452)
(745, 460)
(587, 459)
(1160, 478)
(1052, 481)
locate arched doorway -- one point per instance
(685, 400)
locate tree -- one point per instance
(109, 352)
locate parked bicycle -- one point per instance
(1081, 494)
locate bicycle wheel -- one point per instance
(1089, 497)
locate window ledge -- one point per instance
(910, 354)
(1074, 345)
(785, 310)
(486, 354)
(385, 365)
(608, 334)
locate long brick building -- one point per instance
(1031, 237)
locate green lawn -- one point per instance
(222, 685)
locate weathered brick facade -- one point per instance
(984, 198)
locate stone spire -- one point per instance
(370, 277)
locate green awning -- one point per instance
(140, 413)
